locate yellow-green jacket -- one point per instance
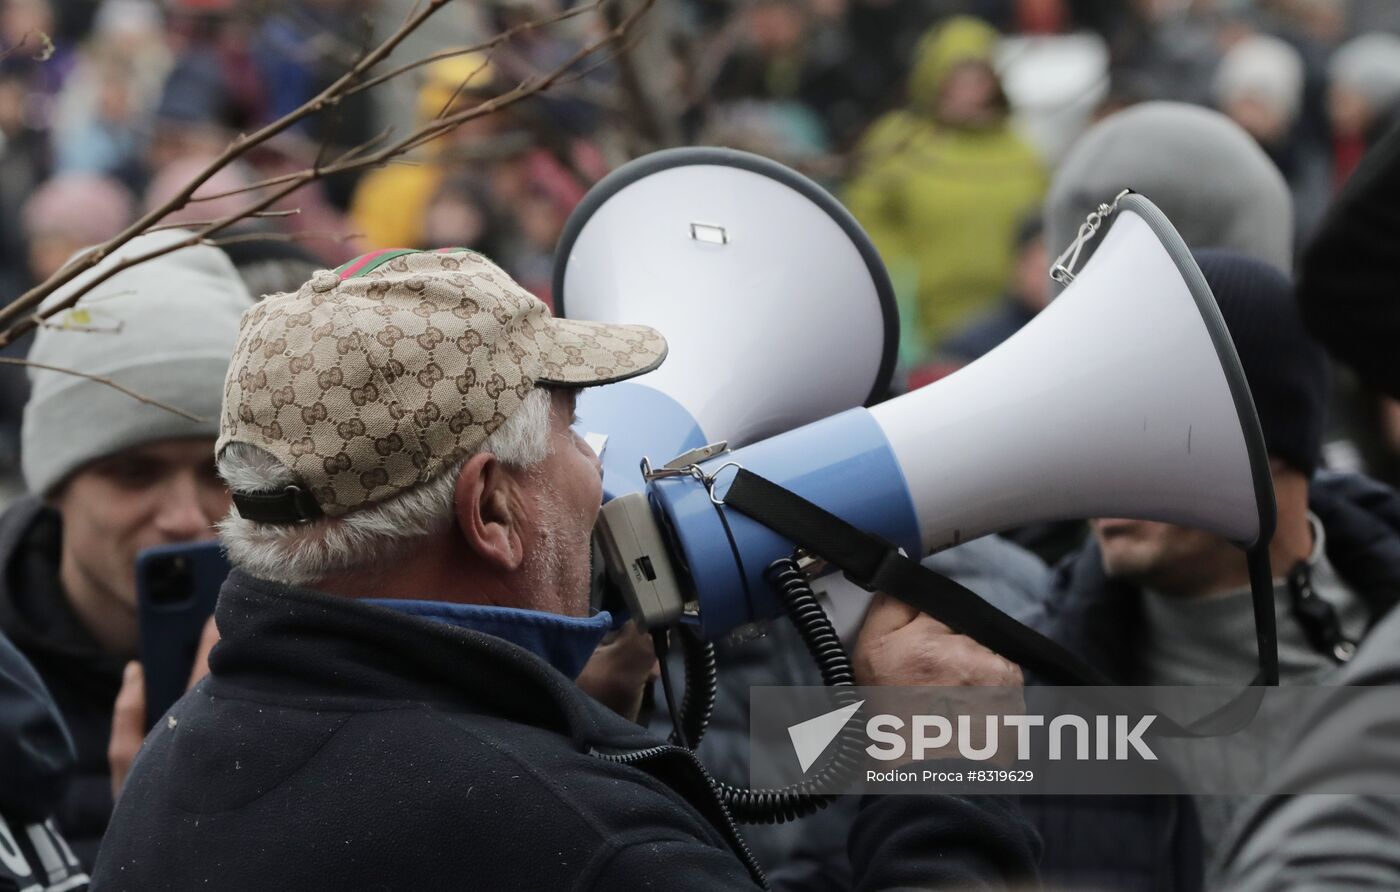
(942, 204)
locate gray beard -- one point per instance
(557, 570)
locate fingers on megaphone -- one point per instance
(886, 614)
(899, 645)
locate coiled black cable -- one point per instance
(701, 687)
(776, 806)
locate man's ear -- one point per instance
(488, 509)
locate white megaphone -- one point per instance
(1124, 398)
(775, 306)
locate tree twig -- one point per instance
(23, 313)
(365, 146)
(139, 397)
(492, 43)
(645, 116)
(457, 91)
(240, 146)
(261, 215)
(313, 235)
(16, 319)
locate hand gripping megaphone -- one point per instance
(775, 306)
(1124, 398)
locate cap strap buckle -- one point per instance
(290, 505)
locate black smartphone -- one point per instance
(176, 587)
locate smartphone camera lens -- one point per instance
(171, 582)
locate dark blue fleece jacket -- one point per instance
(340, 745)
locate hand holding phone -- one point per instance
(177, 587)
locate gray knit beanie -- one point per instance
(1203, 170)
(164, 329)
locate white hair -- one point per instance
(298, 554)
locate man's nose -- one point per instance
(180, 516)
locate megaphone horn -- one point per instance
(775, 306)
(1124, 398)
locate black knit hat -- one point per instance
(1287, 370)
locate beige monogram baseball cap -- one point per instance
(376, 376)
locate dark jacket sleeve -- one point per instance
(36, 755)
(1349, 275)
(942, 842)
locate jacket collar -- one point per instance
(564, 642)
(321, 647)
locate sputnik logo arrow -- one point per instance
(811, 738)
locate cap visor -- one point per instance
(585, 354)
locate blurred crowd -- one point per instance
(939, 123)
(968, 137)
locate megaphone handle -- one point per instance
(878, 566)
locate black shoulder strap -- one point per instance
(876, 565)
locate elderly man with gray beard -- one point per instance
(392, 703)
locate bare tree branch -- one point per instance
(278, 180)
(240, 146)
(648, 121)
(487, 46)
(457, 91)
(22, 314)
(323, 235)
(24, 325)
(503, 37)
(14, 360)
(261, 215)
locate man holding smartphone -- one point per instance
(110, 476)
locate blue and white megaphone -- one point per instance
(1124, 398)
(775, 306)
